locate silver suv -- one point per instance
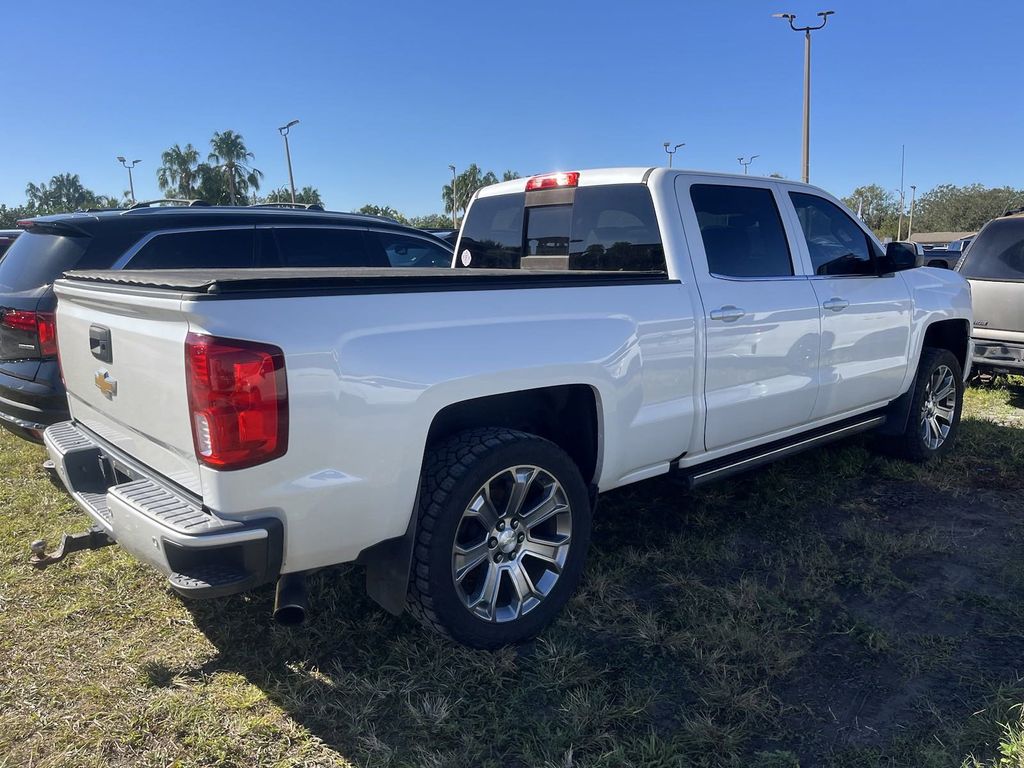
(994, 266)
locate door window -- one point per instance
(200, 249)
(837, 245)
(325, 247)
(405, 251)
(742, 231)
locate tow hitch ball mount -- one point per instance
(94, 538)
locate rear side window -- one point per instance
(608, 228)
(37, 259)
(742, 231)
(836, 244)
(215, 248)
(493, 233)
(996, 254)
(407, 251)
(326, 247)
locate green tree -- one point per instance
(383, 210)
(879, 208)
(432, 221)
(9, 217)
(230, 156)
(949, 208)
(306, 196)
(64, 192)
(179, 174)
(466, 185)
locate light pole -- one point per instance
(903, 191)
(746, 163)
(790, 17)
(284, 129)
(672, 151)
(913, 197)
(131, 184)
(455, 223)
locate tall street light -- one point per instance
(913, 196)
(455, 223)
(790, 17)
(672, 151)
(131, 184)
(746, 163)
(284, 129)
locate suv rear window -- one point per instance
(37, 259)
(608, 228)
(996, 254)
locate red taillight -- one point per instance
(238, 397)
(46, 327)
(552, 180)
(41, 324)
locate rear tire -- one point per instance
(935, 407)
(503, 529)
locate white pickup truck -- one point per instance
(451, 429)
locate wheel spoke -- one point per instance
(468, 558)
(522, 479)
(551, 504)
(948, 387)
(522, 584)
(483, 510)
(488, 597)
(548, 552)
(946, 414)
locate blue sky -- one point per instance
(390, 93)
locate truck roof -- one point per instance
(592, 177)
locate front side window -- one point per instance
(201, 249)
(742, 231)
(406, 251)
(325, 247)
(997, 253)
(836, 244)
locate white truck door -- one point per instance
(761, 314)
(865, 316)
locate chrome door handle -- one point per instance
(727, 314)
(836, 305)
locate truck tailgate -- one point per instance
(123, 360)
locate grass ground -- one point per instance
(840, 609)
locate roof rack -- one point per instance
(1014, 211)
(297, 206)
(169, 200)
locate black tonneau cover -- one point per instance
(355, 279)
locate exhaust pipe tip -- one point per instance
(290, 604)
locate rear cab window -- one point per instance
(996, 254)
(609, 227)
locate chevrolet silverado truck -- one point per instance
(451, 429)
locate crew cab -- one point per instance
(451, 429)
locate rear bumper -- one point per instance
(201, 555)
(29, 407)
(998, 355)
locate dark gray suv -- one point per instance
(994, 266)
(32, 395)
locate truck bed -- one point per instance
(260, 282)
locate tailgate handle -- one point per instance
(99, 343)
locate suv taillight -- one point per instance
(238, 398)
(40, 323)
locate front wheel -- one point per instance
(504, 525)
(935, 407)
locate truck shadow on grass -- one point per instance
(839, 609)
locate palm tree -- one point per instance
(180, 171)
(232, 158)
(63, 193)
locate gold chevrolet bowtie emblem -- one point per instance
(105, 384)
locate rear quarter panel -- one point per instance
(368, 373)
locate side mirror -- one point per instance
(901, 256)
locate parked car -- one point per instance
(448, 235)
(451, 429)
(31, 394)
(7, 237)
(994, 266)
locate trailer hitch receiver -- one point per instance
(94, 538)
